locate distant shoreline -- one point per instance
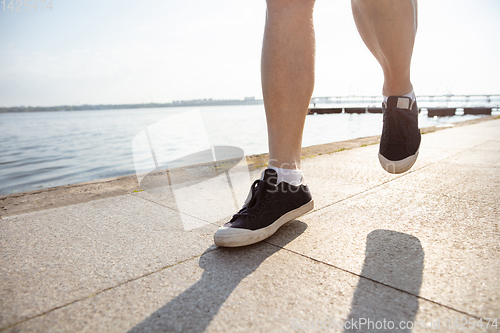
(86, 107)
(488, 98)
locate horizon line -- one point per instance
(217, 102)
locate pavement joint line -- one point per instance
(381, 184)
(176, 210)
(454, 197)
(362, 192)
(396, 178)
(107, 289)
(473, 165)
(374, 281)
(445, 195)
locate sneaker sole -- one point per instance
(234, 237)
(396, 167)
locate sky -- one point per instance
(118, 52)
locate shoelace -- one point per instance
(258, 189)
(397, 121)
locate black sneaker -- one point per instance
(400, 139)
(268, 207)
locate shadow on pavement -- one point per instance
(224, 269)
(395, 259)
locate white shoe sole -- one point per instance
(234, 237)
(397, 166)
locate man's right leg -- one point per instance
(287, 71)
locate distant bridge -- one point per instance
(486, 98)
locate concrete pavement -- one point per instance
(421, 247)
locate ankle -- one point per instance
(293, 177)
(289, 164)
(409, 95)
(394, 88)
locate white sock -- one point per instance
(293, 177)
(410, 95)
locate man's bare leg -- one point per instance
(388, 28)
(287, 77)
(287, 83)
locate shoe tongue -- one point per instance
(400, 102)
(270, 176)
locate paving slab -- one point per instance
(259, 288)
(455, 180)
(54, 257)
(477, 158)
(460, 240)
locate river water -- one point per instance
(47, 149)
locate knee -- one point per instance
(280, 5)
